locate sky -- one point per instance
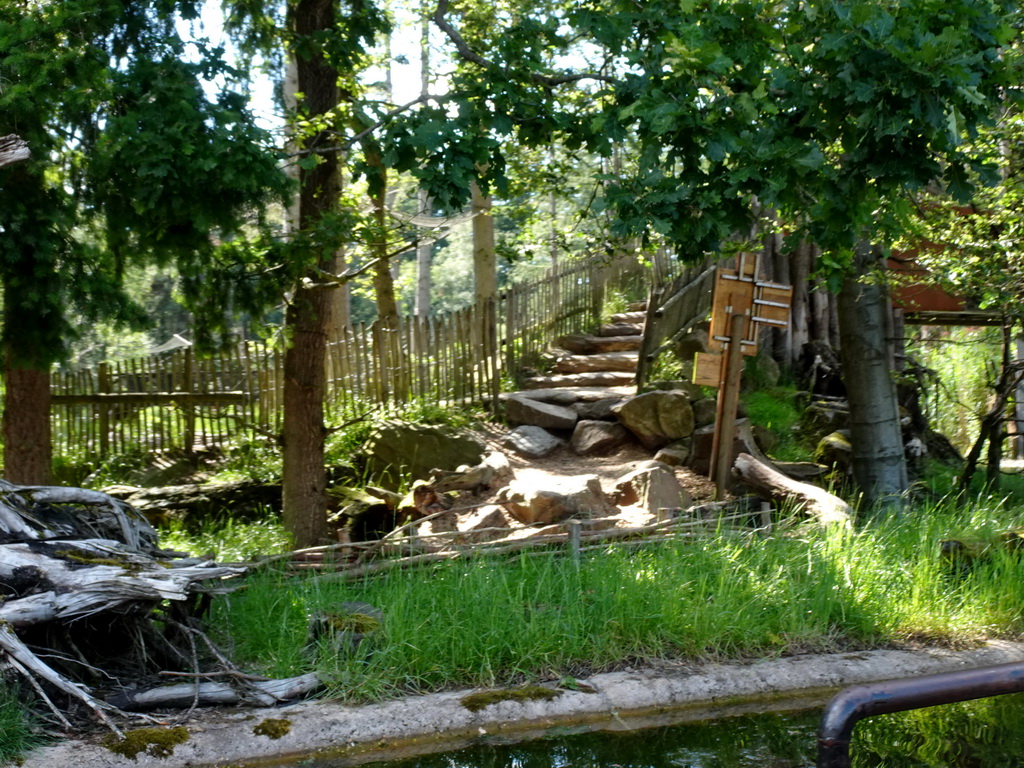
(404, 49)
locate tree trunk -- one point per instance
(303, 476)
(485, 259)
(28, 452)
(799, 270)
(879, 465)
(424, 253)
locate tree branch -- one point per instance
(473, 57)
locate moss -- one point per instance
(474, 702)
(156, 742)
(76, 556)
(272, 728)
(352, 622)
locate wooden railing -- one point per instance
(674, 308)
(179, 400)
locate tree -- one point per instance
(835, 114)
(131, 161)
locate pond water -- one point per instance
(983, 734)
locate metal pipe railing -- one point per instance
(857, 702)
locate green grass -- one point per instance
(493, 622)
(775, 409)
(16, 732)
(227, 540)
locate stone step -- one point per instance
(586, 344)
(592, 379)
(570, 395)
(608, 361)
(621, 329)
(629, 317)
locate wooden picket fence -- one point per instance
(182, 401)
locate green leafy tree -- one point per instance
(835, 114)
(131, 160)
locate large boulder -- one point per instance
(657, 418)
(598, 438)
(531, 442)
(835, 451)
(397, 449)
(823, 417)
(484, 524)
(651, 486)
(537, 413)
(579, 496)
(598, 410)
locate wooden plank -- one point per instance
(707, 369)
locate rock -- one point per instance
(398, 448)
(822, 418)
(492, 473)
(704, 411)
(485, 524)
(566, 396)
(692, 343)
(657, 418)
(652, 487)
(579, 496)
(532, 442)
(600, 410)
(693, 391)
(598, 438)
(342, 628)
(675, 454)
(834, 450)
(537, 413)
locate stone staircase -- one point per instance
(606, 359)
(591, 374)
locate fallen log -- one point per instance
(816, 502)
(69, 556)
(264, 693)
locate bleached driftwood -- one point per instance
(825, 507)
(13, 149)
(264, 693)
(68, 554)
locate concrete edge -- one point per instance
(349, 735)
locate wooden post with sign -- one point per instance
(743, 304)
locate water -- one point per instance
(983, 734)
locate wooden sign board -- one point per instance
(707, 369)
(772, 304)
(739, 292)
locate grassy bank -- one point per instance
(725, 596)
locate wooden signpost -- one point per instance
(743, 304)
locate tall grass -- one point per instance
(490, 622)
(16, 732)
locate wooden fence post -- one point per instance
(188, 406)
(102, 412)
